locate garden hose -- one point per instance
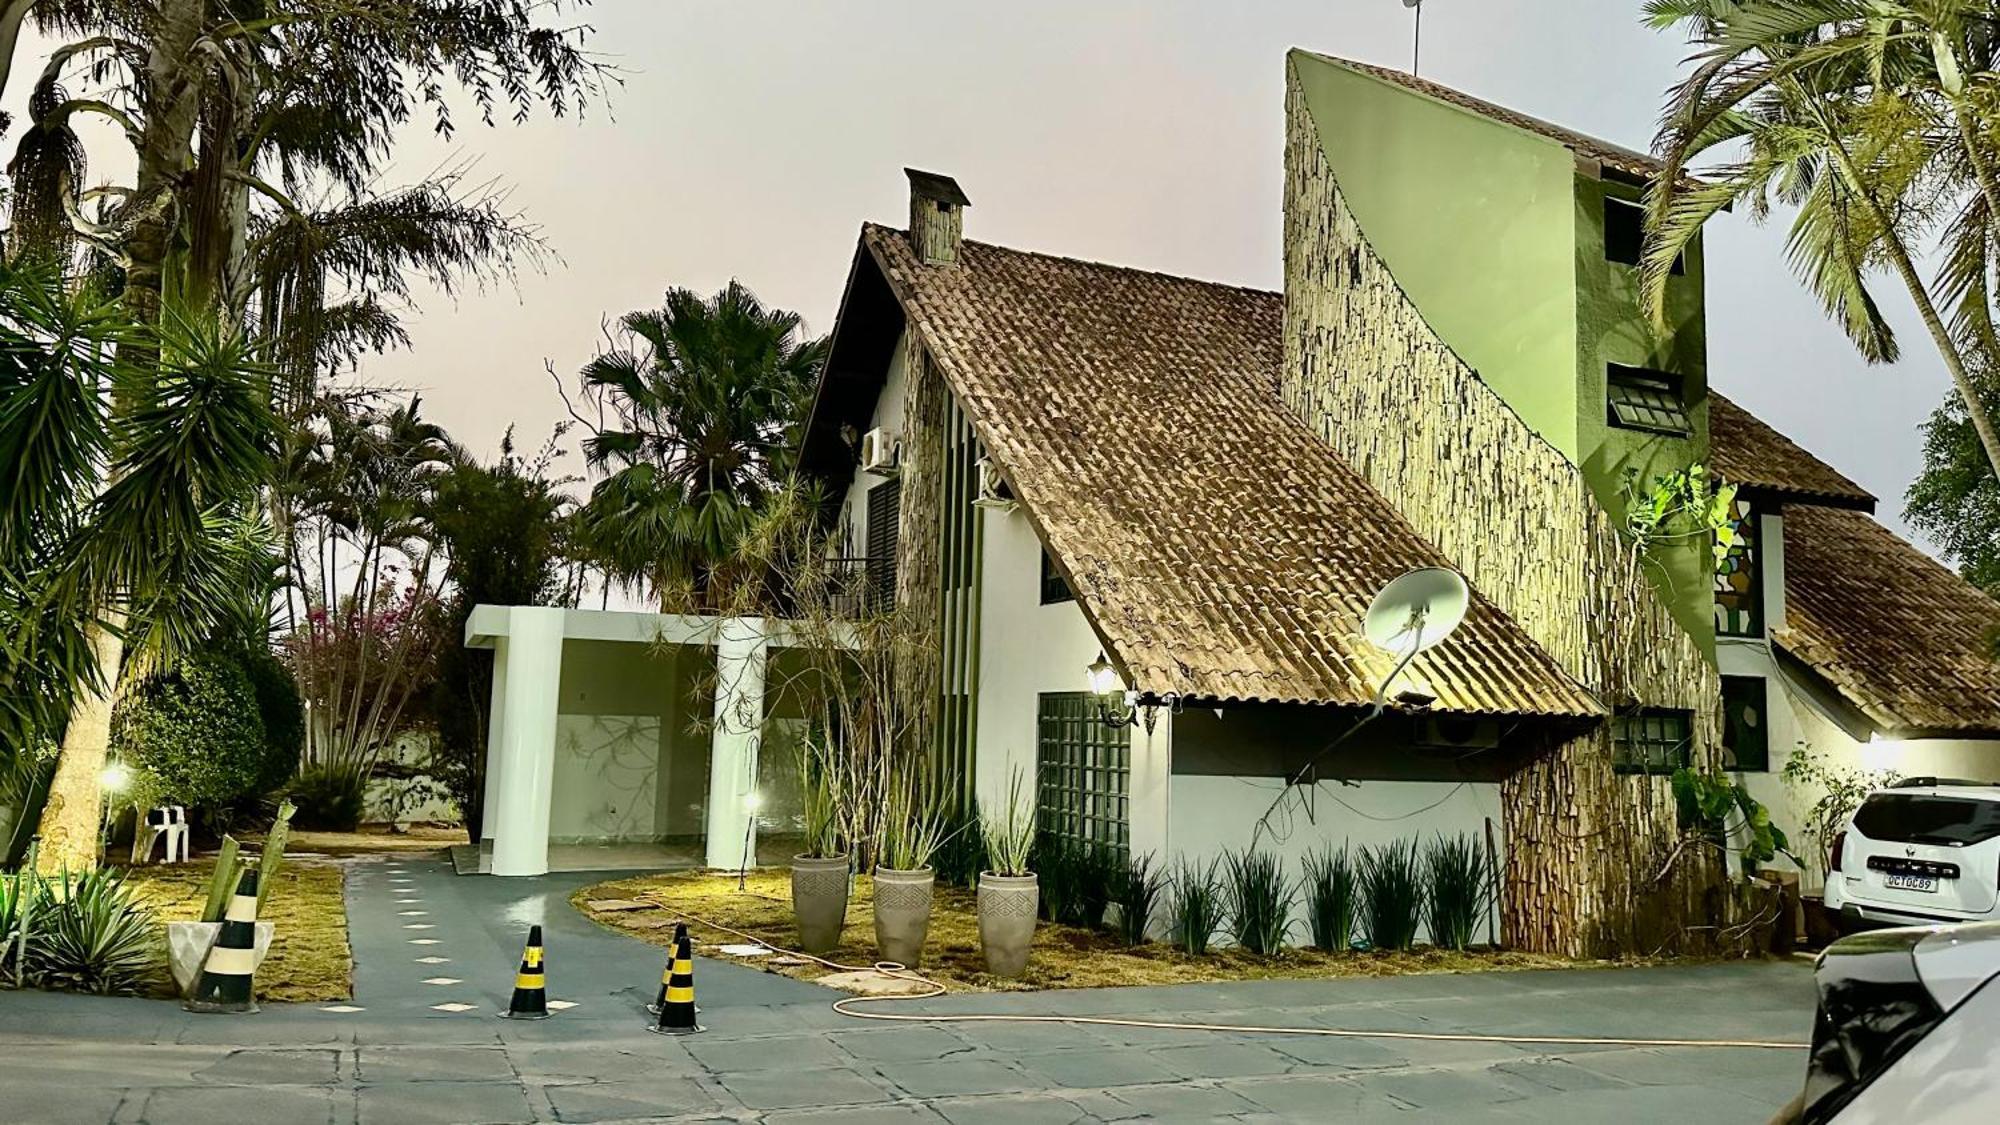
(854, 1007)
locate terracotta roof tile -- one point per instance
(1222, 549)
(1746, 452)
(1634, 164)
(1900, 636)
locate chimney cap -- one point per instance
(936, 185)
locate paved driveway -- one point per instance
(435, 959)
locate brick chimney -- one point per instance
(937, 216)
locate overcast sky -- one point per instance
(751, 138)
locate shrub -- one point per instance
(1137, 894)
(195, 731)
(1392, 894)
(961, 854)
(1100, 870)
(1455, 878)
(1197, 910)
(1007, 839)
(1331, 892)
(1260, 901)
(284, 716)
(330, 798)
(90, 933)
(1057, 861)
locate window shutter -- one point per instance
(885, 508)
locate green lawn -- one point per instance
(310, 958)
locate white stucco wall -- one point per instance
(1214, 815)
(626, 766)
(1027, 648)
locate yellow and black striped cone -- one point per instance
(226, 983)
(531, 994)
(667, 970)
(677, 1008)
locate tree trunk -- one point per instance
(12, 14)
(175, 80)
(75, 809)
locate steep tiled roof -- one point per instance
(1222, 549)
(1901, 637)
(1635, 165)
(1746, 452)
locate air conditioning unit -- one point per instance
(993, 489)
(879, 451)
(1447, 732)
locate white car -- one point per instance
(1924, 851)
(1906, 1030)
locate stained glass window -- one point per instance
(1746, 731)
(1739, 589)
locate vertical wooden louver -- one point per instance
(884, 513)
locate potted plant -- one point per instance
(819, 873)
(912, 827)
(1009, 893)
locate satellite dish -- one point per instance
(1416, 611)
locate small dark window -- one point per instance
(1746, 724)
(1653, 740)
(885, 509)
(1054, 587)
(1625, 233)
(1640, 398)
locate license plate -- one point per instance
(1910, 882)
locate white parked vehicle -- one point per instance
(1926, 850)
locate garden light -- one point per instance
(115, 777)
(1103, 677)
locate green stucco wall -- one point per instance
(1474, 219)
(1613, 329)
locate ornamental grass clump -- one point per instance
(1458, 890)
(1197, 908)
(1008, 837)
(90, 933)
(1332, 892)
(1260, 901)
(1392, 894)
(1100, 873)
(962, 853)
(1057, 862)
(1138, 895)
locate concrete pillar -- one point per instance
(740, 650)
(496, 723)
(526, 747)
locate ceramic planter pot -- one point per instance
(188, 943)
(819, 900)
(1007, 905)
(902, 913)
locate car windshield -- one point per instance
(1915, 818)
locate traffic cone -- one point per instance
(677, 1008)
(226, 983)
(667, 970)
(531, 996)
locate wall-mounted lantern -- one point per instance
(1119, 706)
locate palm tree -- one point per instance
(696, 406)
(151, 562)
(1876, 120)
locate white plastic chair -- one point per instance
(169, 822)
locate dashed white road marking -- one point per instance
(443, 980)
(454, 1006)
(342, 1008)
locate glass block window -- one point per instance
(1654, 740)
(1739, 587)
(1643, 399)
(1083, 773)
(1746, 731)
(1055, 588)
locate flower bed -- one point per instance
(1062, 957)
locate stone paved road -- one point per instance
(423, 1044)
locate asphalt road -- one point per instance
(436, 953)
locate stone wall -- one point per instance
(1366, 371)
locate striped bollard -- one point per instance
(226, 983)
